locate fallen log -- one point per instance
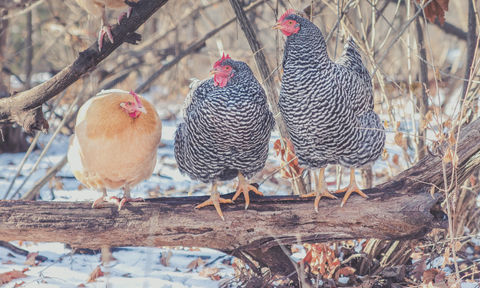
(403, 208)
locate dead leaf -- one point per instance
(440, 277)
(399, 139)
(216, 277)
(31, 259)
(429, 275)
(458, 246)
(207, 272)
(436, 8)
(12, 275)
(389, 88)
(420, 268)
(195, 263)
(450, 156)
(165, 260)
(80, 187)
(284, 147)
(432, 190)
(437, 74)
(451, 139)
(416, 88)
(384, 154)
(447, 124)
(8, 262)
(451, 281)
(395, 159)
(19, 284)
(97, 272)
(81, 285)
(385, 124)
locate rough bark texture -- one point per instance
(23, 108)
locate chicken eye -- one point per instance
(290, 22)
(227, 67)
(129, 103)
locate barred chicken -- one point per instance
(115, 143)
(327, 106)
(226, 131)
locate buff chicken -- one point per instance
(327, 106)
(115, 143)
(226, 131)
(97, 8)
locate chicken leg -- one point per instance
(352, 187)
(321, 189)
(98, 203)
(126, 197)
(106, 29)
(215, 200)
(244, 187)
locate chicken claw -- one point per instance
(127, 199)
(244, 187)
(321, 189)
(105, 199)
(319, 194)
(352, 187)
(106, 29)
(128, 13)
(215, 200)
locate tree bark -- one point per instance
(24, 108)
(422, 98)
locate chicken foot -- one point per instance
(104, 199)
(244, 187)
(352, 187)
(321, 189)
(106, 29)
(129, 11)
(126, 197)
(215, 200)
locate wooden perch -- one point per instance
(24, 108)
(401, 208)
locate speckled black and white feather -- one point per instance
(226, 130)
(328, 106)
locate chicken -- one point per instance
(327, 106)
(97, 8)
(115, 143)
(226, 131)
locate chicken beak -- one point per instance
(213, 71)
(277, 26)
(143, 110)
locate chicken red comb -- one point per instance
(219, 62)
(137, 99)
(288, 12)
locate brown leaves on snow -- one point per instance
(94, 275)
(12, 275)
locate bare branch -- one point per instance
(25, 108)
